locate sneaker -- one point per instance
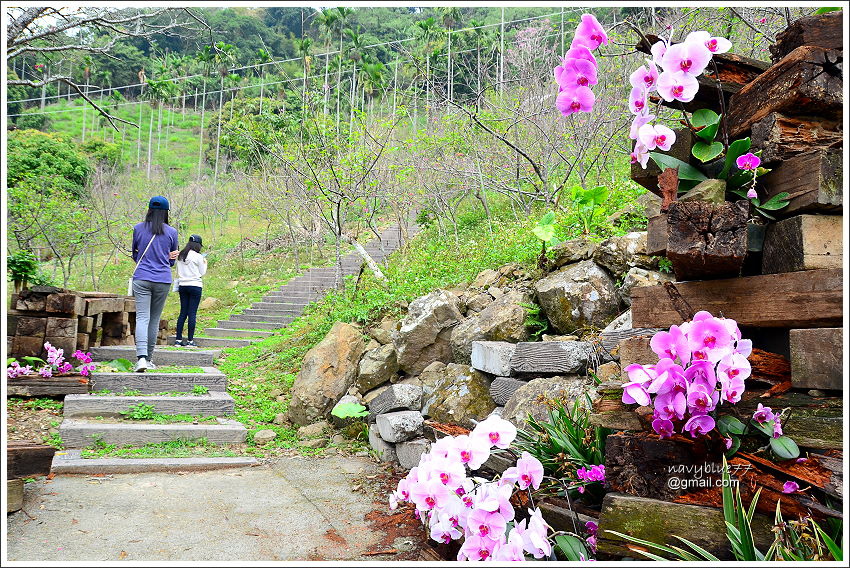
(179, 343)
(190, 343)
(142, 365)
(151, 366)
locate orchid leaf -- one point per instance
(776, 202)
(826, 9)
(736, 443)
(736, 149)
(765, 428)
(730, 425)
(647, 543)
(686, 171)
(784, 447)
(571, 547)
(709, 121)
(705, 152)
(834, 549)
(706, 555)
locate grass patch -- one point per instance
(173, 449)
(41, 403)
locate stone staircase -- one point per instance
(89, 418)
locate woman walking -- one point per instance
(154, 250)
(191, 266)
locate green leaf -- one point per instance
(834, 549)
(736, 443)
(34, 361)
(709, 120)
(778, 201)
(736, 149)
(700, 550)
(544, 232)
(730, 425)
(784, 447)
(349, 410)
(571, 547)
(686, 171)
(547, 219)
(706, 152)
(598, 195)
(824, 10)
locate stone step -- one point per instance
(211, 404)
(282, 307)
(299, 295)
(79, 433)
(254, 314)
(218, 342)
(181, 357)
(248, 325)
(229, 332)
(151, 382)
(69, 461)
(286, 300)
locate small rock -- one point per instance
(386, 451)
(370, 396)
(208, 303)
(338, 439)
(279, 419)
(381, 335)
(572, 251)
(376, 368)
(397, 397)
(637, 277)
(410, 453)
(816, 393)
(400, 426)
(263, 437)
(711, 190)
(485, 278)
(620, 323)
(479, 301)
(495, 292)
(607, 372)
(281, 398)
(311, 430)
(373, 344)
(315, 443)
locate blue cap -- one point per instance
(195, 239)
(158, 202)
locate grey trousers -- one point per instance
(150, 299)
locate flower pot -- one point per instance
(755, 237)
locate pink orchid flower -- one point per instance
(677, 86)
(763, 414)
(486, 523)
(511, 551)
(687, 57)
(577, 51)
(473, 451)
(751, 194)
(777, 427)
(790, 487)
(530, 471)
(744, 347)
(637, 122)
(709, 339)
(730, 389)
(699, 425)
(576, 72)
(640, 155)
(658, 136)
(645, 76)
(663, 427)
(701, 401)
(570, 101)
(671, 344)
(429, 494)
(748, 162)
(496, 430)
(534, 535)
(658, 49)
(477, 548)
(671, 405)
(735, 365)
(638, 104)
(443, 530)
(590, 33)
(714, 44)
(492, 497)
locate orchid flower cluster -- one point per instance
(55, 364)
(455, 505)
(578, 69)
(702, 364)
(680, 65)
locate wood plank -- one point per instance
(61, 327)
(803, 242)
(85, 324)
(96, 306)
(782, 137)
(51, 386)
(657, 521)
(707, 240)
(656, 235)
(810, 298)
(25, 459)
(804, 82)
(64, 303)
(83, 341)
(636, 350)
(822, 30)
(813, 180)
(27, 346)
(816, 422)
(33, 327)
(68, 344)
(816, 358)
(550, 357)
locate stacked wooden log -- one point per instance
(789, 304)
(23, 460)
(68, 320)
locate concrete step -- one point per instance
(294, 294)
(253, 314)
(162, 355)
(287, 300)
(248, 325)
(151, 382)
(69, 461)
(79, 433)
(217, 342)
(229, 332)
(282, 307)
(211, 404)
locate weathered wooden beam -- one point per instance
(27, 346)
(656, 235)
(816, 358)
(657, 521)
(14, 495)
(96, 306)
(550, 357)
(61, 327)
(25, 459)
(707, 240)
(636, 350)
(806, 82)
(781, 137)
(813, 180)
(822, 30)
(64, 303)
(815, 422)
(33, 327)
(51, 386)
(810, 298)
(803, 242)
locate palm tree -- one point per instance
(206, 57)
(304, 46)
(343, 14)
(224, 56)
(328, 21)
(263, 57)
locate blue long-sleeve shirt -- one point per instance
(155, 266)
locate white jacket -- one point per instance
(189, 273)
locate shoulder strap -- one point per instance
(143, 254)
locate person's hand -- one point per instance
(173, 254)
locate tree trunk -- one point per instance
(370, 262)
(201, 139)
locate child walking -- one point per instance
(191, 266)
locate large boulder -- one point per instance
(377, 367)
(423, 336)
(618, 254)
(455, 394)
(579, 295)
(574, 250)
(537, 396)
(327, 372)
(503, 320)
(637, 277)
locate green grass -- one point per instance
(173, 449)
(40, 403)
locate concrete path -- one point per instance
(293, 509)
